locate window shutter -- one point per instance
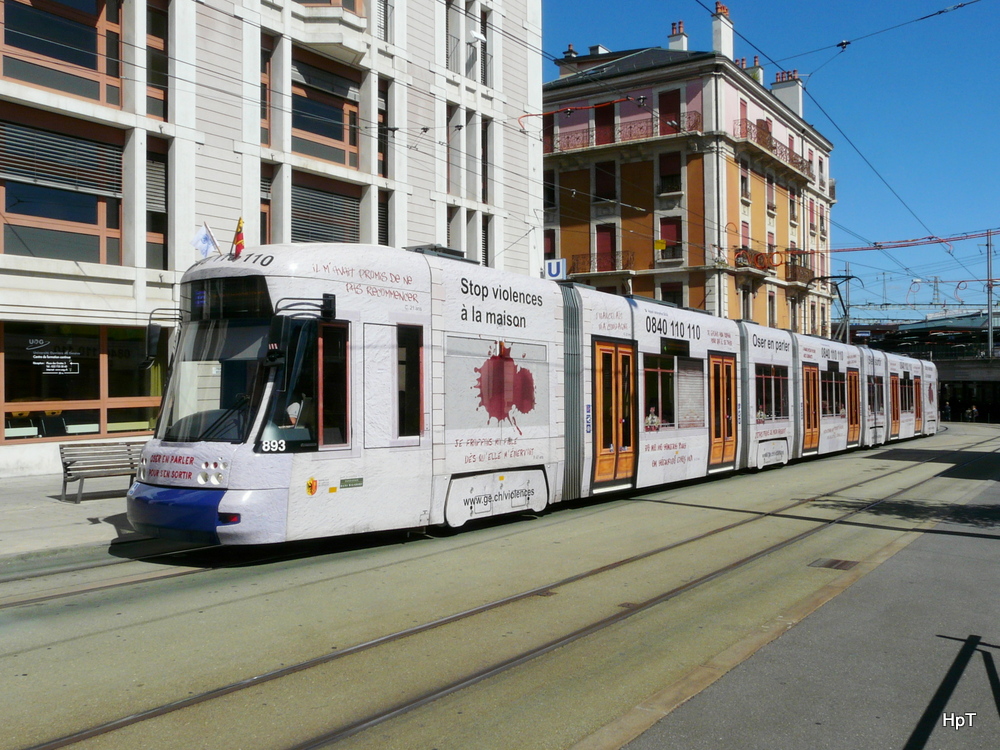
(319, 216)
(61, 161)
(156, 186)
(690, 392)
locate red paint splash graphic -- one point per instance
(503, 387)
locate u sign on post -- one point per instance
(555, 269)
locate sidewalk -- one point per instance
(33, 519)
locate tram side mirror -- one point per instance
(276, 338)
(153, 331)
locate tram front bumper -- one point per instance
(208, 516)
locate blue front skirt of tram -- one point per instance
(181, 513)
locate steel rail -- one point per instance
(543, 590)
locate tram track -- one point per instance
(547, 589)
(68, 591)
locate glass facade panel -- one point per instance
(45, 362)
(50, 243)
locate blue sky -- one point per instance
(921, 103)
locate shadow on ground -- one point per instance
(979, 516)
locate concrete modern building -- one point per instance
(679, 175)
(127, 124)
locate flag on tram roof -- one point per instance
(238, 242)
(204, 241)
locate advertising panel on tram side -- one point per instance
(875, 397)
(358, 376)
(929, 395)
(501, 391)
(688, 374)
(610, 381)
(769, 426)
(906, 409)
(831, 395)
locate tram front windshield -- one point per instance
(216, 378)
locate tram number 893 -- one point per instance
(272, 446)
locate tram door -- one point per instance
(853, 407)
(614, 431)
(894, 405)
(722, 409)
(810, 415)
(918, 406)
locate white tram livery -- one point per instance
(322, 390)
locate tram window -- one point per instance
(607, 396)
(659, 377)
(409, 381)
(772, 392)
(833, 392)
(626, 388)
(875, 394)
(335, 385)
(906, 392)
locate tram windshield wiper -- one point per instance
(241, 401)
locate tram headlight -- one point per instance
(202, 477)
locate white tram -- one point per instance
(321, 390)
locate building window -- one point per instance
(324, 109)
(484, 165)
(73, 48)
(670, 237)
(384, 196)
(156, 205)
(454, 148)
(325, 210)
(157, 59)
(670, 112)
(745, 180)
(351, 5)
(384, 128)
(383, 20)
(266, 177)
(670, 172)
(485, 58)
(605, 182)
(549, 250)
(604, 123)
(672, 292)
(607, 256)
(772, 309)
(769, 189)
(549, 190)
(61, 196)
(451, 22)
(63, 379)
(266, 54)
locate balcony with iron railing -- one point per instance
(745, 259)
(634, 130)
(751, 132)
(798, 274)
(619, 260)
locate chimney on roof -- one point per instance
(757, 71)
(722, 32)
(788, 89)
(677, 40)
(570, 52)
(599, 49)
